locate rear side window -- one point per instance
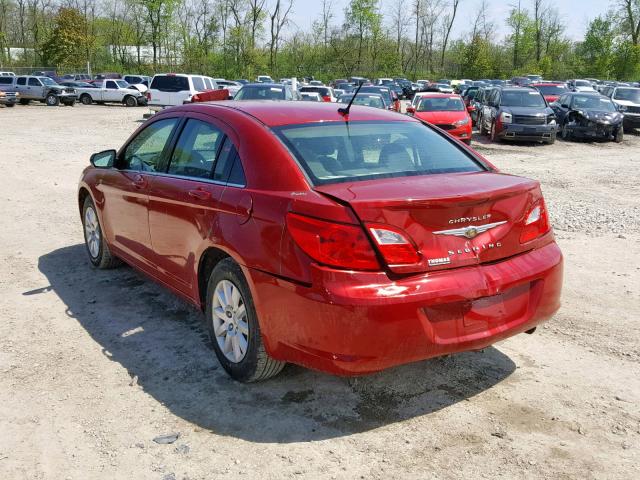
(229, 167)
(339, 152)
(170, 83)
(198, 84)
(196, 150)
(22, 81)
(144, 153)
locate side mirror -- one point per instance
(411, 110)
(104, 159)
(621, 108)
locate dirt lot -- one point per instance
(96, 364)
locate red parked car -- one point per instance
(551, 91)
(445, 111)
(347, 242)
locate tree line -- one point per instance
(243, 38)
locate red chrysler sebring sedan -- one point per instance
(445, 111)
(347, 242)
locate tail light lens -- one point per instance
(394, 245)
(195, 98)
(326, 98)
(148, 95)
(536, 222)
(333, 244)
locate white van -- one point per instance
(171, 89)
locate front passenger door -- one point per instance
(126, 191)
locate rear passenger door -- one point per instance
(183, 201)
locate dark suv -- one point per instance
(516, 113)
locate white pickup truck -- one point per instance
(117, 91)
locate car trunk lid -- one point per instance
(454, 220)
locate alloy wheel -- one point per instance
(230, 323)
(92, 232)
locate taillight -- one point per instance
(333, 244)
(326, 98)
(395, 247)
(195, 98)
(148, 95)
(536, 222)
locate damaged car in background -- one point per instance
(588, 115)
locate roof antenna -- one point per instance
(344, 111)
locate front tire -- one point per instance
(619, 138)
(52, 100)
(86, 99)
(24, 101)
(233, 326)
(130, 101)
(94, 240)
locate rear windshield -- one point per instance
(340, 152)
(525, 98)
(552, 89)
(323, 91)
(260, 93)
(431, 104)
(170, 83)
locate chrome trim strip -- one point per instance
(470, 231)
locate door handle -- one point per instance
(200, 194)
(139, 182)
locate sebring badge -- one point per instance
(470, 231)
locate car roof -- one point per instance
(259, 84)
(278, 113)
(439, 95)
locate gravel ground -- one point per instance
(95, 365)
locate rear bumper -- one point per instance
(355, 323)
(527, 132)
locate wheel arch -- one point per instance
(83, 193)
(208, 261)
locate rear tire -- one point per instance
(11, 105)
(97, 248)
(233, 323)
(552, 140)
(24, 101)
(480, 122)
(86, 99)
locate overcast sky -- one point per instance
(575, 14)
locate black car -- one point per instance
(407, 87)
(588, 115)
(516, 113)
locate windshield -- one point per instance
(428, 104)
(260, 93)
(593, 102)
(47, 81)
(122, 84)
(340, 152)
(629, 94)
(525, 98)
(552, 89)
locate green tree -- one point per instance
(596, 50)
(68, 42)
